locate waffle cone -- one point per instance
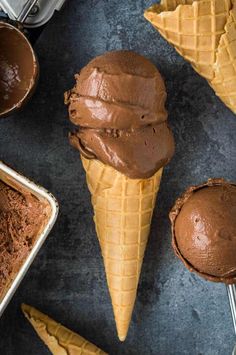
(194, 28)
(60, 340)
(204, 33)
(224, 83)
(123, 210)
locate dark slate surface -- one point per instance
(176, 313)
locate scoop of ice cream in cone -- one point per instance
(118, 105)
(204, 33)
(204, 230)
(59, 339)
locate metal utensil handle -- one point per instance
(26, 10)
(232, 300)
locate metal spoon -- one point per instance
(231, 289)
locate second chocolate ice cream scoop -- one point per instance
(204, 230)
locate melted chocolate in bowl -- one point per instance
(18, 69)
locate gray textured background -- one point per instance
(176, 312)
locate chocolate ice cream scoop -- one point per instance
(118, 103)
(204, 230)
(18, 69)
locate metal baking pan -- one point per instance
(18, 181)
(40, 14)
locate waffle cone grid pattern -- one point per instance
(194, 30)
(59, 339)
(123, 211)
(224, 83)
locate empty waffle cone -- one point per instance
(193, 27)
(170, 5)
(204, 33)
(224, 82)
(123, 209)
(60, 340)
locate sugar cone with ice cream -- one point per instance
(124, 140)
(59, 339)
(204, 33)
